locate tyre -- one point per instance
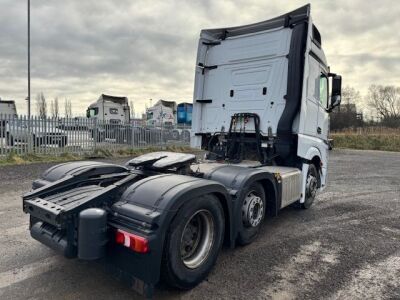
(311, 186)
(175, 135)
(185, 136)
(252, 212)
(193, 242)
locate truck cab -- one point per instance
(162, 114)
(276, 71)
(112, 109)
(7, 108)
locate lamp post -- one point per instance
(29, 59)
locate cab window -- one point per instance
(93, 112)
(323, 91)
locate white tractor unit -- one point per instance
(110, 109)
(161, 114)
(262, 97)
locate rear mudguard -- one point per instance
(152, 203)
(237, 179)
(93, 168)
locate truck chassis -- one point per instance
(94, 210)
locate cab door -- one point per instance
(312, 102)
(323, 116)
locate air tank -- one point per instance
(92, 234)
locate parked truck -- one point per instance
(174, 119)
(109, 114)
(7, 110)
(169, 113)
(261, 110)
(111, 109)
(162, 114)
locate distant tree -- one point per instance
(132, 107)
(52, 108)
(350, 97)
(347, 115)
(385, 101)
(56, 108)
(67, 108)
(41, 105)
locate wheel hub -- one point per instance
(252, 210)
(197, 239)
(311, 186)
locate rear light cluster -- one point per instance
(132, 241)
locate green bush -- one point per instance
(384, 142)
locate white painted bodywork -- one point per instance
(159, 115)
(110, 111)
(247, 63)
(8, 108)
(312, 115)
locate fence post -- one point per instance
(94, 130)
(132, 135)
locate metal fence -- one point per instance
(82, 136)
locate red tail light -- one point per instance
(132, 241)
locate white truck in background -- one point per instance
(109, 114)
(162, 114)
(175, 119)
(7, 109)
(111, 109)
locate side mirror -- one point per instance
(88, 113)
(336, 94)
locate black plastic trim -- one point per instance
(296, 62)
(285, 20)
(318, 59)
(204, 100)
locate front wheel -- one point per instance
(193, 242)
(311, 186)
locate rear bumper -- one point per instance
(140, 271)
(53, 238)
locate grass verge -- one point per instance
(15, 159)
(383, 142)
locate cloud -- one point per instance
(147, 49)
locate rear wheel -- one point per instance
(252, 212)
(193, 242)
(311, 186)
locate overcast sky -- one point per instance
(146, 49)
